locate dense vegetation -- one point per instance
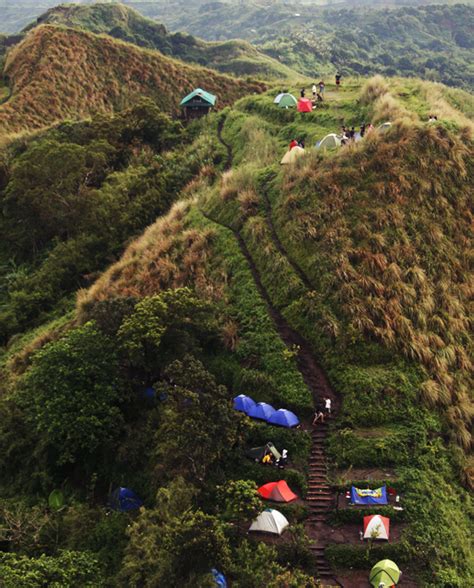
(432, 42)
(125, 377)
(56, 74)
(122, 22)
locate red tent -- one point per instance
(305, 105)
(277, 491)
(376, 527)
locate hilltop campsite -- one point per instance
(236, 343)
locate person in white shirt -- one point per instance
(327, 405)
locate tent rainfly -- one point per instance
(284, 418)
(305, 105)
(262, 410)
(376, 527)
(277, 491)
(385, 572)
(243, 403)
(286, 101)
(219, 578)
(330, 141)
(270, 521)
(278, 98)
(124, 500)
(383, 128)
(292, 156)
(198, 103)
(258, 453)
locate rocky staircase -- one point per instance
(320, 498)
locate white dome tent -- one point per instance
(270, 521)
(330, 141)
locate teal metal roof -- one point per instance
(210, 98)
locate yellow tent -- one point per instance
(292, 156)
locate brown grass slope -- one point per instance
(58, 73)
(387, 229)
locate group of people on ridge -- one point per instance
(319, 88)
(349, 134)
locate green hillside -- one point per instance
(431, 42)
(122, 22)
(345, 275)
(58, 73)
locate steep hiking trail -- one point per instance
(320, 497)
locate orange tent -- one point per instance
(277, 491)
(305, 105)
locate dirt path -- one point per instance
(230, 156)
(320, 498)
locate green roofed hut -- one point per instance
(198, 103)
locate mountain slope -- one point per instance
(122, 22)
(432, 42)
(57, 73)
(345, 274)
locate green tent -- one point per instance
(385, 572)
(287, 100)
(198, 96)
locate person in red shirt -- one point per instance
(294, 143)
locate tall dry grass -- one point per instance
(57, 73)
(392, 219)
(170, 254)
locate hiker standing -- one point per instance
(284, 459)
(338, 80)
(302, 92)
(352, 134)
(362, 129)
(321, 87)
(327, 406)
(315, 91)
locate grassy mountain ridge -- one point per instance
(364, 252)
(122, 22)
(57, 73)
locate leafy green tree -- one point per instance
(241, 500)
(70, 568)
(48, 194)
(174, 551)
(177, 316)
(72, 393)
(198, 426)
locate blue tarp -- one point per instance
(367, 496)
(262, 410)
(124, 500)
(243, 403)
(219, 578)
(284, 418)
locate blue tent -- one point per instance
(124, 500)
(149, 393)
(243, 403)
(284, 418)
(262, 410)
(367, 496)
(219, 578)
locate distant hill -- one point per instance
(122, 22)
(432, 42)
(58, 73)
